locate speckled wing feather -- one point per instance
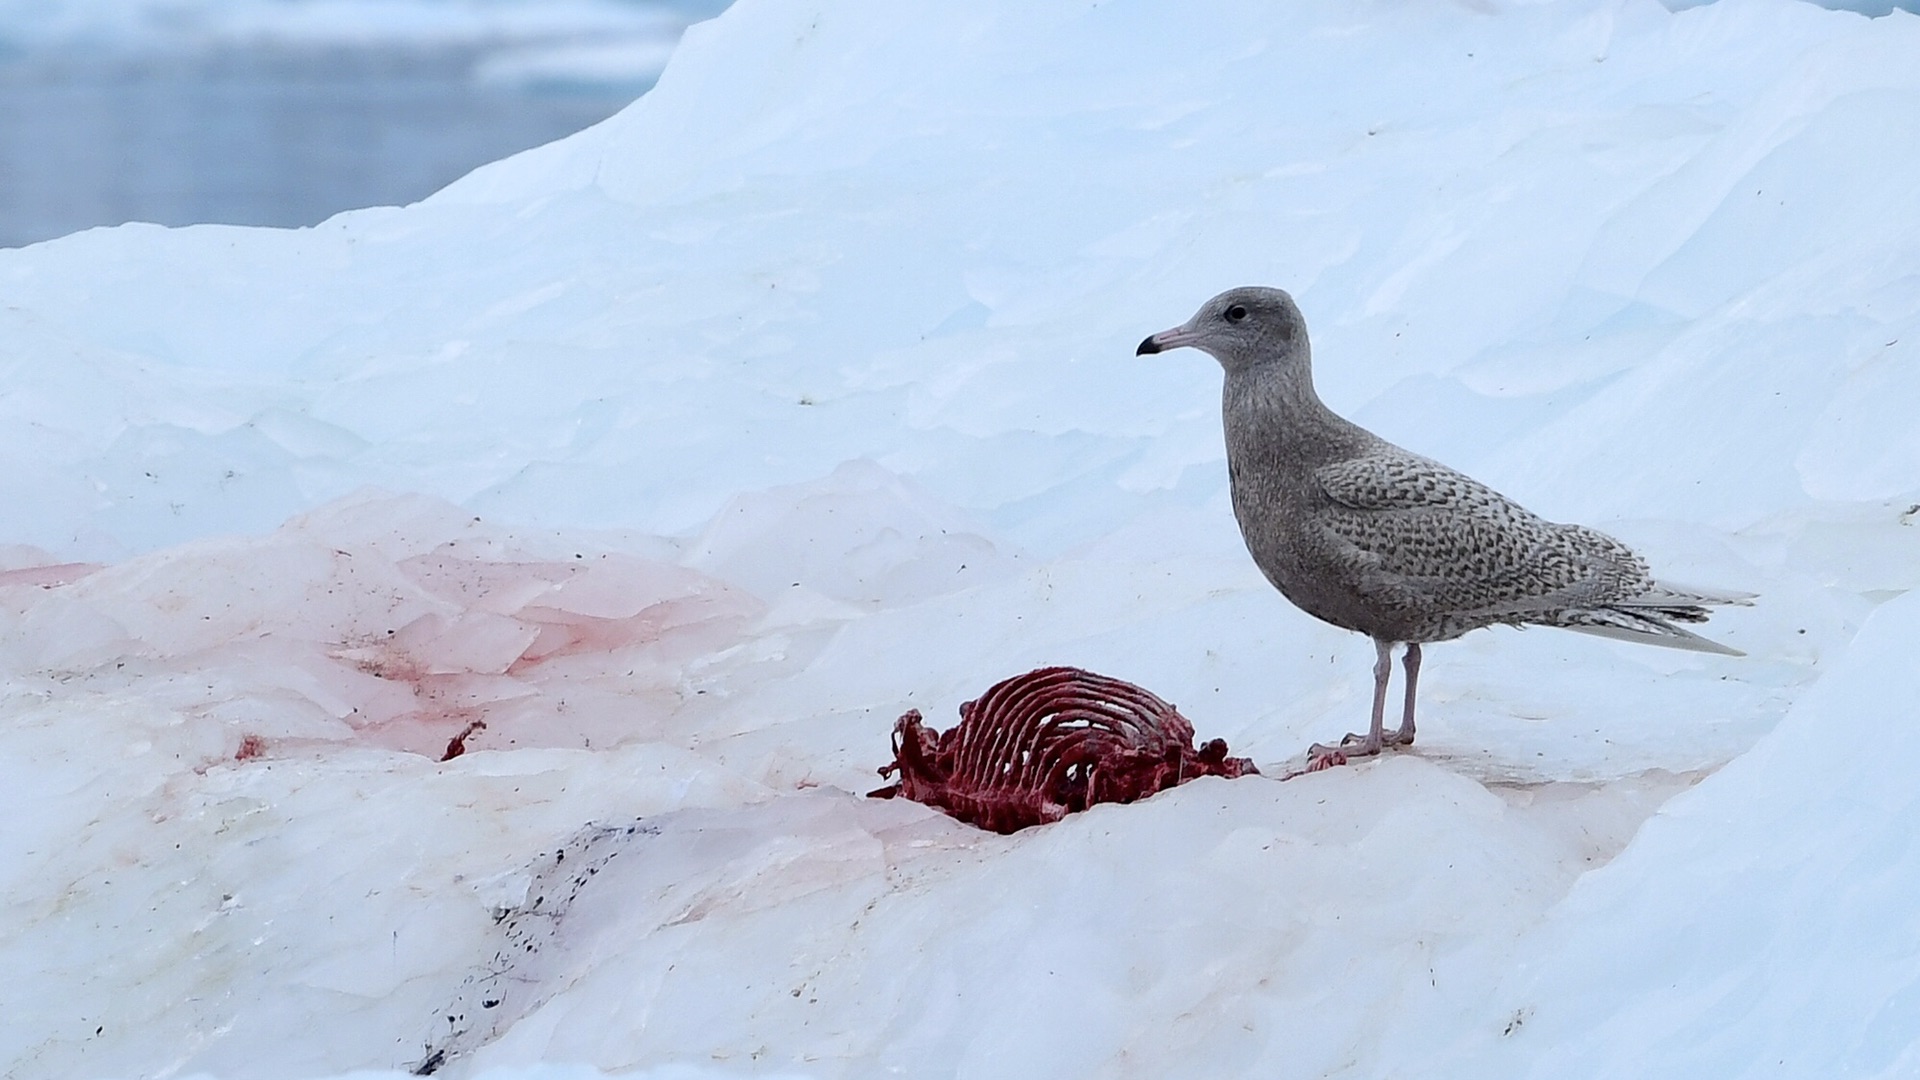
(1428, 540)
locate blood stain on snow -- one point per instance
(47, 577)
(458, 744)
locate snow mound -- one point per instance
(1754, 927)
(802, 393)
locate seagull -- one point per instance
(1360, 533)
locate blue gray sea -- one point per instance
(262, 135)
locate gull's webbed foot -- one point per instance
(1354, 745)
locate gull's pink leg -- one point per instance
(1364, 745)
(1404, 737)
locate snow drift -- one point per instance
(665, 465)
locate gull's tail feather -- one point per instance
(1646, 626)
(1668, 594)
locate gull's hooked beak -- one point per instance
(1176, 338)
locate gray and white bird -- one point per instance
(1359, 533)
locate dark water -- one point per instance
(252, 138)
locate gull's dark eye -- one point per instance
(1236, 313)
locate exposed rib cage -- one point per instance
(1054, 741)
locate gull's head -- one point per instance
(1242, 328)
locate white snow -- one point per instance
(667, 464)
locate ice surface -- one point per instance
(661, 468)
(1759, 925)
